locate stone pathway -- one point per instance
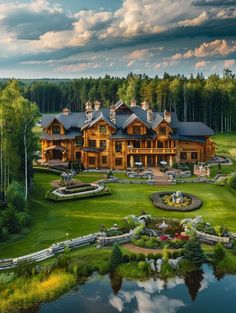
(136, 249)
(159, 178)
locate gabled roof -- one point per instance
(194, 129)
(132, 118)
(157, 121)
(68, 121)
(103, 117)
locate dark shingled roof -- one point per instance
(122, 134)
(194, 129)
(188, 138)
(74, 123)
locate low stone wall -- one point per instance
(157, 201)
(211, 238)
(51, 251)
(106, 241)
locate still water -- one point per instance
(200, 292)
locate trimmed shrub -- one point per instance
(140, 257)
(126, 258)
(133, 257)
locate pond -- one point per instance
(200, 292)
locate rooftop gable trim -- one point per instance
(132, 118)
(100, 117)
(54, 119)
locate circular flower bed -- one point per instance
(163, 200)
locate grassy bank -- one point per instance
(51, 221)
(25, 292)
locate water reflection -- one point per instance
(199, 291)
(193, 282)
(116, 282)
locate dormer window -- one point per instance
(162, 131)
(103, 129)
(56, 129)
(137, 130)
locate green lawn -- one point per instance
(226, 144)
(51, 221)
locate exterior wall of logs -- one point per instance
(99, 144)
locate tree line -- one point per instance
(18, 144)
(211, 100)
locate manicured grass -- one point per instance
(226, 144)
(51, 221)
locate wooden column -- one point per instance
(145, 161)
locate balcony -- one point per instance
(151, 150)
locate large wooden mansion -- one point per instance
(119, 136)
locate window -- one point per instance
(194, 155)
(79, 142)
(137, 130)
(160, 144)
(149, 144)
(102, 129)
(56, 129)
(56, 142)
(77, 155)
(92, 160)
(118, 161)
(103, 144)
(118, 146)
(92, 143)
(162, 130)
(104, 159)
(183, 155)
(136, 144)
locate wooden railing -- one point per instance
(151, 150)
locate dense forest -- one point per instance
(17, 146)
(211, 100)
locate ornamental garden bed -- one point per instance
(162, 200)
(87, 192)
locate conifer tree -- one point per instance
(193, 251)
(116, 257)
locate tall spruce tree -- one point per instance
(116, 257)
(193, 251)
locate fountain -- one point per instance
(176, 201)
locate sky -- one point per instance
(83, 38)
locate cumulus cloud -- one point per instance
(203, 17)
(146, 302)
(207, 49)
(76, 67)
(42, 30)
(200, 64)
(229, 63)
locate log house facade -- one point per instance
(119, 136)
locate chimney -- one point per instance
(113, 114)
(145, 105)
(167, 116)
(66, 111)
(149, 116)
(133, 103)
(89, 110)
(97, 105)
